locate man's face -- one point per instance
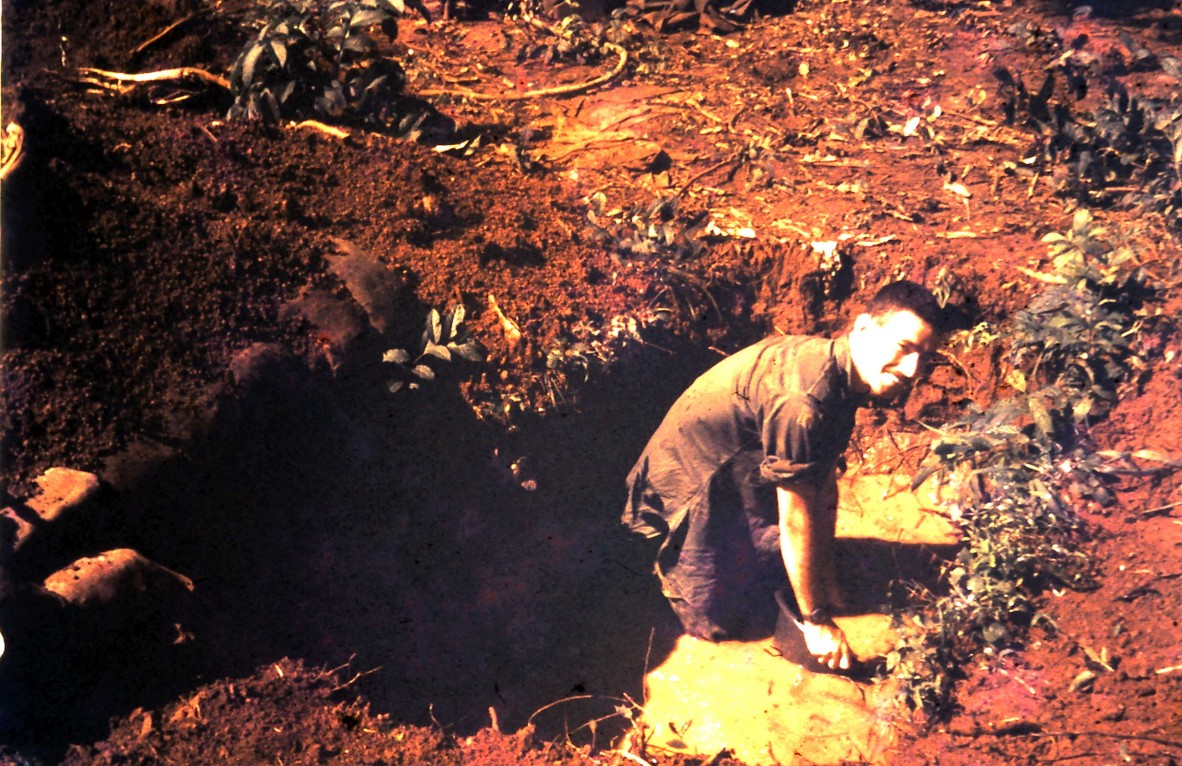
(891, 350)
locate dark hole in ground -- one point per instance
(326, 520)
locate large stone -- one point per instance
(62, 490)
(374, 286)
(117, 576)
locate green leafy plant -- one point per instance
(445, 337)
(1015, 469)
(312, 58)
(1128, 151)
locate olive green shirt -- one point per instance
(779, 412)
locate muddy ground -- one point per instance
(437, 575)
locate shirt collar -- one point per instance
(845, 363)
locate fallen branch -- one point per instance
(558, 90)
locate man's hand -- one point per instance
(827, 643)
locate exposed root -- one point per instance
(123, 83)
(11, 145)
(556, 91)
(139, 49)
(320, 127)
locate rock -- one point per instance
(120, 575)
(335, 323)
(17, 529)
(375, 287)
(249, 365)
(62, 490)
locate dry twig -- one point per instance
(558, 90)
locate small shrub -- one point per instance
(1016, 468)
(445, 337)
(316, 59)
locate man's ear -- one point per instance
(861, 322)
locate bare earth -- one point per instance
(437, 575)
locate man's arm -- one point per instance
(808, 515)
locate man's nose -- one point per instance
(909, 365)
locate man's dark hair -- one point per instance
(910, 296)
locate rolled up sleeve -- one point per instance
(797, 447)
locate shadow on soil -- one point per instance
(333, 522)
(329, 521)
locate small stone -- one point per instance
(22, 527)
(62, 489)
(1116, 713)
(1083, 682)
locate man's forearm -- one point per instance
(806, 543)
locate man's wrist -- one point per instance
(821, 615)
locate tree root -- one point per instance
(558, 90)
(11, 144)
(321, 127)
(1022, 727)
(123, 83)
(159, 36)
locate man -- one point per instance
(739, 482)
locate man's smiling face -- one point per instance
(889, 351)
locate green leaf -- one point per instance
(394, 386)
(472, 351)
(436, 350)
(396, 355)
(357, 44)
(434, 326)
(366, 18)
(250, 61)
(424, 372)
(280, 51)
(457, 316)
(1042, 417)
(921, 476)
